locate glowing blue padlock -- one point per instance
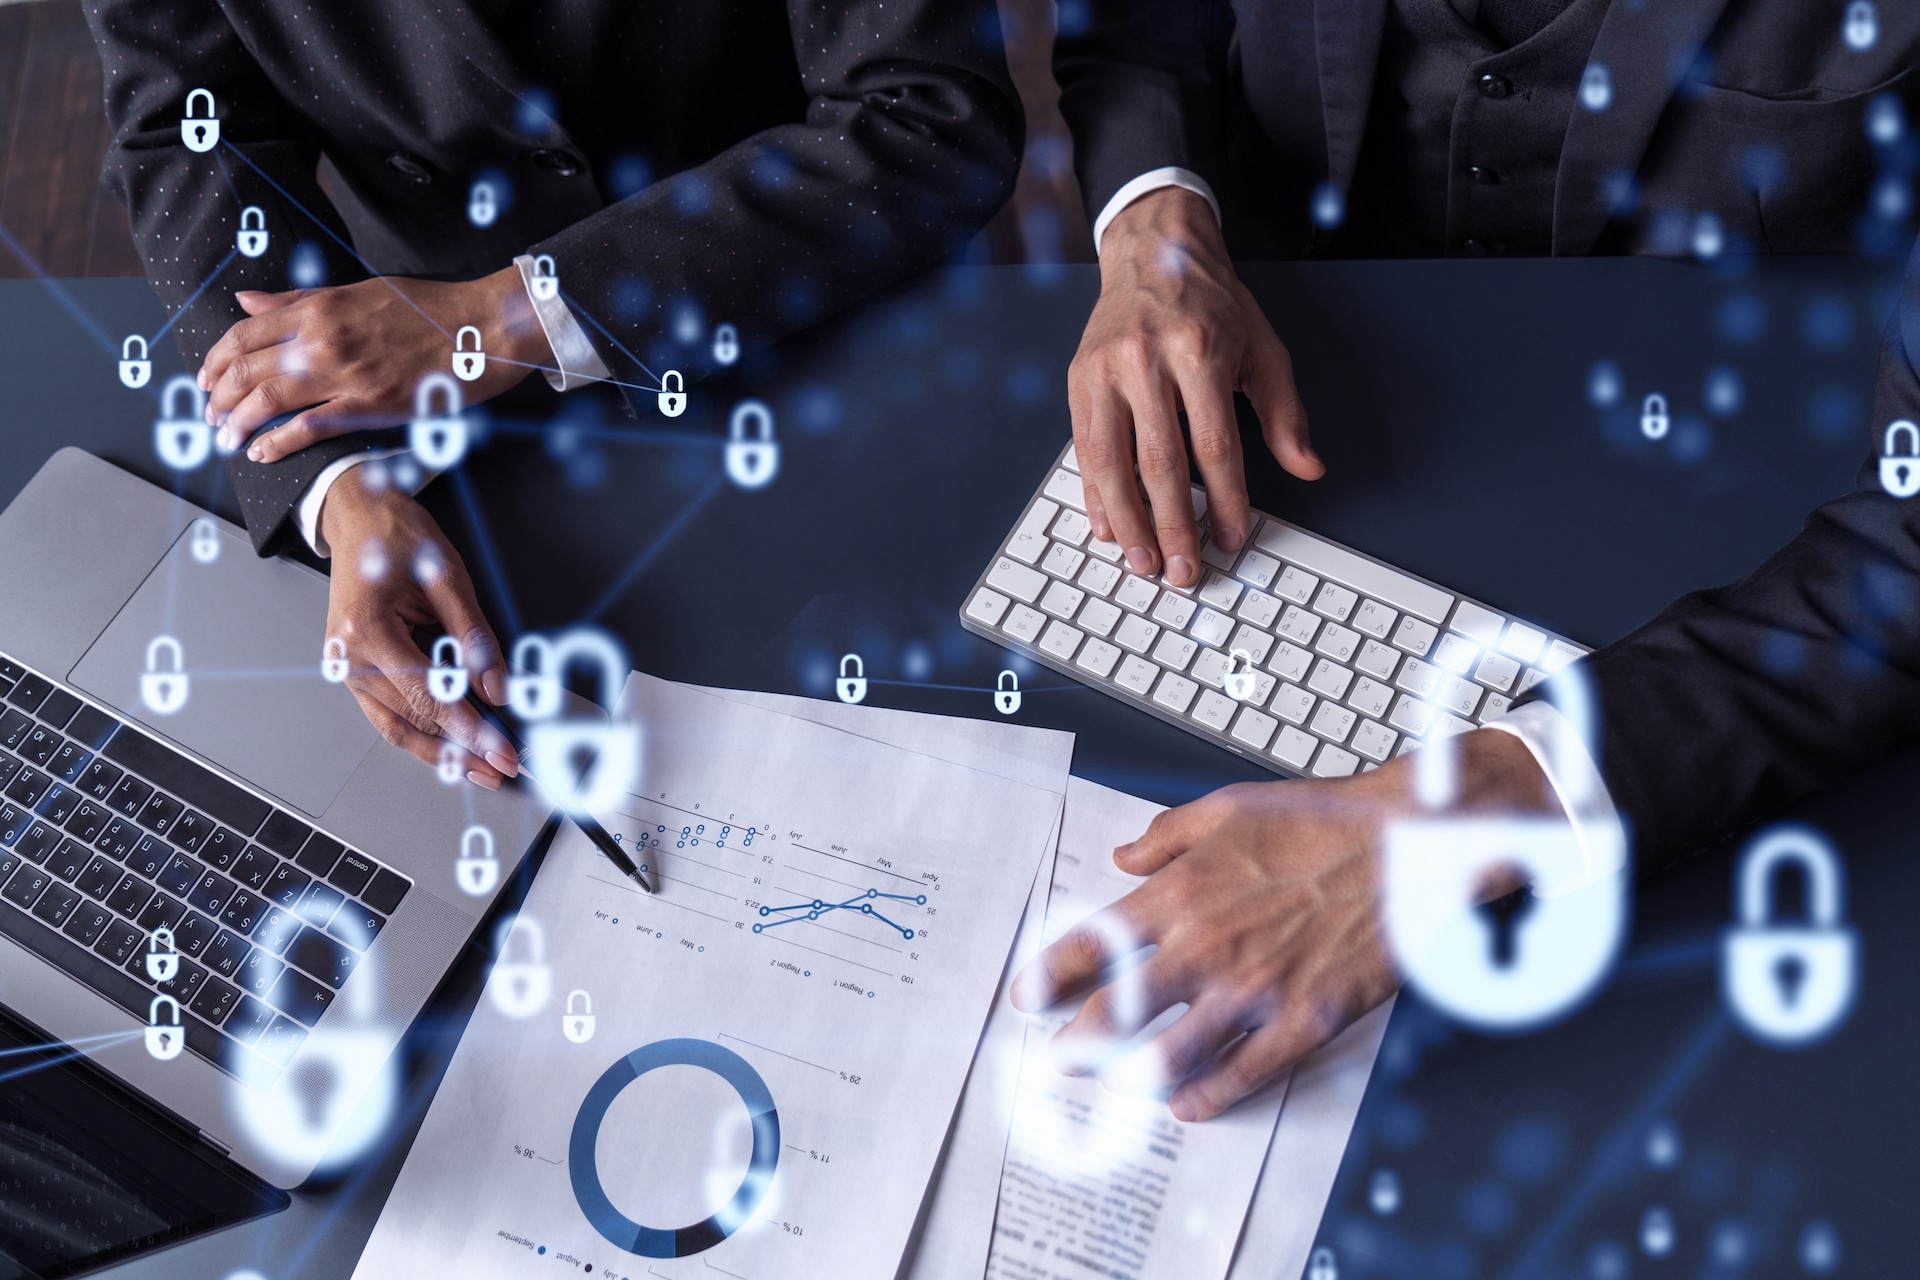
(200, 133)
(135, 370)
(252, 241)
(1006, 693)
(439, 441)
(752, 460)
(183, 440)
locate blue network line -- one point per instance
(860, 902)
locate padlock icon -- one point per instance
(533, 687)
(584, 764)
(1495, 967)
(476, 870)
(851, 688)
(545, 285)
(135, 370)
(467, 365)
(447, 677)
(1596, 87)
(333, 660)
(1242, 682)
(578, 1026)
(1861, 27)
(1653, 416)
(1900, 472)
(449, 769)
(183, 441)
(163, 958)
(200, 133)
(203, 541)
(1321, 1265)
(439, 441)
(482, 208)
(164, 692)
(726, 344)
(673, 393)
(1006, 693)
(752, 460)
(252, 240)
(520, 987)
(1789, 983)
(165, 1040)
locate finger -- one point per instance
(1172, 832)
(269, 330)
(322, 422)
(1246, 1066)
(1208, 398)
(1267, 381)
(450, 594)
(1078, 959)
(1196, 1036)
(425, 746)
(1163, 470)
(246, 373)
(257, 302)
(1112, 1015)
(1106, 459)
(266, 400)
(398, 664)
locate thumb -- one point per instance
(1267, 381)
(449, 592)
(1171, 833)
(257, 303)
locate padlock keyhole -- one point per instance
(581, 761)
(1503, 916)
(199, 133)
(1790, 971)
(315, 1083)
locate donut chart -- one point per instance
(673, 1242)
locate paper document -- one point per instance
(777, 1041)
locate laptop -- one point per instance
(302, 870)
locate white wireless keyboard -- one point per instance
(1353, 660)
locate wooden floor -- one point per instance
(53, 134)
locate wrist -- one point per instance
(524, 341)
(1167, 217)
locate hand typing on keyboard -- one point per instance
(1263, 901)
(1175, 329)
(374, 613)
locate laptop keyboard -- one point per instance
(107, 835)
(1351, 661)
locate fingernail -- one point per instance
(1228, 539)
(494, 685)
(1140, 560)
(202, 380)
(1179, 570)
(504, 763)
(257, 453)
(1182, 1110)
(480, 779)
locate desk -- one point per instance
(1448, 399)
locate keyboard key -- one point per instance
(195, 933)
(1173, 610)
(162, 913)
(1065, 487)
(1298, 625)
(1175, 691)
(1456, 653)
(1062, 601)
(1370, 698)
(1332, 721)
(57, 904)
(300, 997)
(1558, 655)
(1136, 675)
(215, 1001)
(14, 822)
(318, 854)
(1071, 528)
(129, 797)
(227, 952)
(1212, 553)
(356, 926)
(1221, 592)
(25, 885)
(1060, 640)
(159, 813)
(1337, 642)
(180, 875)
(70, 762)
(283, 833)
(8, 768)
(1482, 626)
(183, 985)
(280, 1041)
(1497, 671)
(253, 867)
(58, 804)
(14, 728)
(40, 745)
(1414, 636)
(87, 923)
(1099, 618)
(1376, 660)
(98, 879)
(1257, 569)
(258, 971)
(149, 858)
(1255, 728)
(1290, 662)
(118, 839)
(1523, 642)
(1260, 609)
(1211, 668)
(1029, 540)
(242, 911)
(1329, 679)
(31, 691)
(1255, 644)
(28, 786)
(1098, 657)
(87, 822)
(1292, 703)
(1136, 593)
(1445, 726)
(276, 929)
(323, 957)
(1016, 580)
(1410, 595)
(1215, 710)
(1295, 585)
(1494, 707)
(1529, 678)
(37, 843)
(1025, 623)
(58, 708)
(249, 1020)
(118, 942)
(211, 893)
(986, 606)
(1062, 560)
(91, 726)
(1335, 601)
(285, 884)
(1335, 763)
(318, 904)
(1374, 618)
(1294, 747)
(1419, 678)
(130, 896)
(1174, 650)
(1458, 696)
(1374, 740)
(1099, 577)
(1136, 633)
(1108, 551)
(69, 860)
(222, 848)
(1212, 627)
(99, 779)
(202, 788)
(1411, 715)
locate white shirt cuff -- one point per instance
(1152, 180)
(578, 362)
(308, 512)
(1575, 777)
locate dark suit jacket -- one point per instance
(806, 153)
(1266, 99)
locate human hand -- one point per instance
(1174, 328)
(351, 356)
(394, 570)
(1262, 899)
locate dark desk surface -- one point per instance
(1449, 400)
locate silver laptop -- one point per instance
(302, 870)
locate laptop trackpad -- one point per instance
(249, 631)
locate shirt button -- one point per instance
(1494, 86)
(556, 161)
(1481, 174)
(409, 168)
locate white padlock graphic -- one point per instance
(1242, 682)
(482, 208)
(448, 769)
(183, 441)
(726, 344)
(1006, 693)
(533, 687)
(476, 870)
(673, 393)
(1787, 982)
(1900, 472)
(1654, 420)
(584, 763)
(1596, 87)
(163, 958)
(851, 688)
(333, 660)
(166, 1039)
(447, 677)
(578, 1026)
(439, 441)
(752, 460)
(1321, 1265)
(520, 988)
(203, 541)
(468, 365)
(164, 692)
(135, 370)
(200, 133)
(1861, 27)
(1493, 967)
(252, 240)
(545, 285)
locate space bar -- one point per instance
(201, 788)
(1363, 575)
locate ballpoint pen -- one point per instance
(605, 843)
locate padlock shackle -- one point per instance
(423, 395)
(528, 646)
(751, 411)
(599, 649)
(199, 93)
(584, 999)
(1000, 685)
(1790, 843)
(183, 383)
(460, 336)
(859, 667)
(334, 642)
(161, 932)
(155, 645)
(1654, 405)
(485, 835)
(679, 386)
(1894, 427)
(459, 657)
(153, 1010)
(257, 212)
(131, 339)
(1239, 653)
(536, 938)
(551, 271)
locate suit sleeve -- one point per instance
(1143, 86)
(911, 140)
(1738, 701)
(185, 205)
